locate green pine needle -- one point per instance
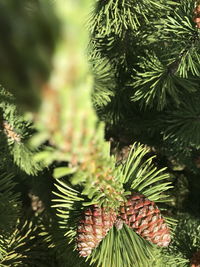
(140, 174)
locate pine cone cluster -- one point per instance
(138, 212)
(195, 261)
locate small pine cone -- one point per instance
(36, 203)
(196, 17)
(144, 217)
(93, 227)
(195, 261)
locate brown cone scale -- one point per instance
(195, 261)
(93, 227)
(143, 216)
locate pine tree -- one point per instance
(99, 127)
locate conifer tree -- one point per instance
(99, 120)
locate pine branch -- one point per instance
(118, 16)
(158, 81)
(141, 175)
(122, 248)
(17, 130)
(182, 123)
(9, 202)
(186, 240)
(183, 39)
(138, 174)
(15, 245)
(103, 82)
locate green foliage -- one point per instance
(98, 175)
(15, 132)
(161, 77)
(122, 248)
(103, 82)
(16, 245)
(158, 62)
(170, 259)
(158, 82)
(30, 26)
(33, 242)
(23, 157)
(144, 58)
(117, 16)
(137, 174)
(141, 175)
(182, 123)
(183, 39)
(9, 202)
(54, 244)
(187, 239)
(185, 243)
(154, 98)
(67, 202)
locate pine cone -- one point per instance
(93, 227)
(196, 17)
(144, 217)
(195, 261)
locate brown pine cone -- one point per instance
(195, 261)
(93, 227)
(143, 216)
